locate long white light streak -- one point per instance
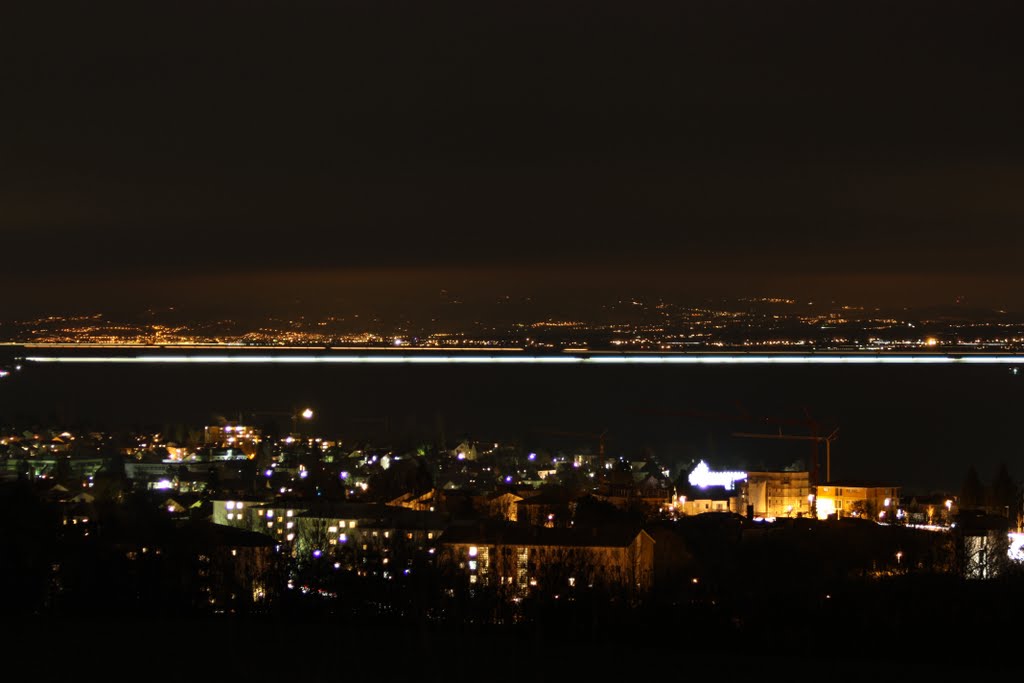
(689, 359)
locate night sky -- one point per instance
(179, 152)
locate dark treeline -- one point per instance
(803, 588)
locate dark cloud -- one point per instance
(749, 141)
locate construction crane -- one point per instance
(806, 422)
(827, 440)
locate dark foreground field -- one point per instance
(896, 629)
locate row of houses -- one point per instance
(783, 494)
(384, 540)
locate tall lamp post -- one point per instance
(306, 414)
(295, 414)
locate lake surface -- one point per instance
(919, 425)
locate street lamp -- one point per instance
(306, 414)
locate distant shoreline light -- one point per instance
(583, 359)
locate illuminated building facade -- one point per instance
(369, 538)
(858, 500)
(504, 506)
(235, 512)
(708, 490)
(761, 495)
(522, 559)
(233, 436)
(464, 451)
(697, 501)
(778, 494)
(984, 546)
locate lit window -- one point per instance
(290, 537)
(291, 513)
(231, 515)
(472, 551)
(230, 505)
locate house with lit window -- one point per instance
(694, 500)
(503, 505)
(237, 570)
(549, 508)
(235, 511)
(521, 559)
(427, 502)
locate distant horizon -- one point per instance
(580, 298)
(446, 320)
